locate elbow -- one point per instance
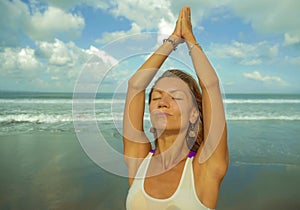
(136, 84)
(212, 83)
(222, 167)
(220, 171)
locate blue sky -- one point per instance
(45, 45)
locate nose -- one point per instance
(163, 102)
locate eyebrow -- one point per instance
(171, 91)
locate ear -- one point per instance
(194, 115)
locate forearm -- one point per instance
(141, 79)
(204, 70)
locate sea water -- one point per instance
(263, 128)
(41, 156)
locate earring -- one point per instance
(191, 136)
(152, 130)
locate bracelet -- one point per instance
(172, 42)
(192, 46)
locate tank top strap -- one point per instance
(187, 179)
(141, 173)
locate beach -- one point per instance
(43, 165)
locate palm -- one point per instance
(183, 27)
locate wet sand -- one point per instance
(45, 170)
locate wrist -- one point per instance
(174, 40)
(191, 40)
(192, 46)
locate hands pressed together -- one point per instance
(183, 28)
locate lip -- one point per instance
(161, 114)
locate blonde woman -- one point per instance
(190, 158)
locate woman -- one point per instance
(190, 159)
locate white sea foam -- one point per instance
(262, 117)
(61, 101)
(110, 117)
(122, 101)
(261, 101)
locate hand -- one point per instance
(184, 27)
(177, 30)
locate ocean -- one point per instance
(44, 165)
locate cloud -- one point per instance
(52, 65)
(63, 60)
(293, 60)
(70, 4)
(283, 17)
(104, 56)
(257, 76)
(143, 13)
(243, 53)
(58, 53)
(290, 40)
(53, 23)
(18, 61)
(108, 37)
(43, 23)
(12, 16)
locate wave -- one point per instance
(261, 101)
(58, 118)
(109, 117)
(122, 101)
(40, 118)
(61, 101)
(261, 118)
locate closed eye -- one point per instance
(157, 98)
(176, 98)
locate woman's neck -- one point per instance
(171, 149)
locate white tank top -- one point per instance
(184, 198)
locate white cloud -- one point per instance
(256, 75)
(270, 16)
(53, 23)
(108, 37)
(39, 22)
(165, 27)
(54, 65)
(290, 40)
(57, 52)
(69, 4)
(143, 13)
(245, 54)
(147, 15)
(18, 62)
(63, 60)
(293, 60)
(105, 57)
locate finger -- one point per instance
(186, 13)
(189, 12)
(181, 14)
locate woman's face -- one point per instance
(171, 105)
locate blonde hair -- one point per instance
(197, 100)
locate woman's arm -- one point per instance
(214, 150)
(136, 144)
(212, 154)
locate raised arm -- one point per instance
(136, 144)
(214, 150)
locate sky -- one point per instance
(45, 45)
